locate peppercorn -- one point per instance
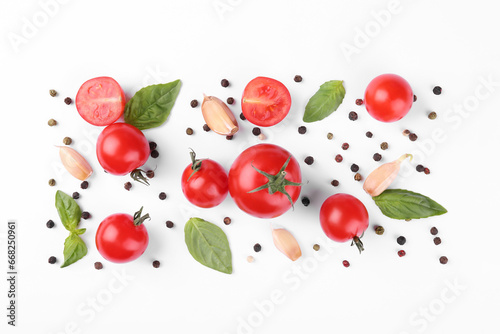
(85, 215)
(427, 171)
(150, 174)
(152, 145)
(329, 136)
(413, 136)
(84, 185)
(194, 103)
(76, 195)
(316, 247)
(406, 132)
(169, 224)
(437, 90)
(358, 177)
(127, 185)
(156, 264)
(377, 157)
(369, 134)
(67, 141)
(98, 265)
(338, 158)
(257, 248)
(68, 100)
(189, 131)
(206, 128)
(401, 240)
(52, 92)
(224, 83)
(437, 241)
(443, 260)
(335, 183)
(52, 122)
(354, 168)
(302, 129)
(384, 146)
(52, 259)
(359, 102)
(230, 100)
(306, 201)
(401, 253)
(297, 78)
(227, 220)
(434, 231)
(346, 263)
(52, 182)
(162, 196)
(309, 160)
(230, 137)
(432, 115)
(345, 146)
(250, 259)
(155, 154)
(379, 230)
(353, 115)
(242, 117)
(50, 223)
(256, 131)
(420, 168)
(414, 98)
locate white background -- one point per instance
(453, 44)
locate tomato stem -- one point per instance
(137, 175)
(357, 241)
(196, 163)
(138, 218)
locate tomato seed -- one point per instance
(156, 264)
(256, 131)
(302, 129)
(50, 223)
(437, 90)
(401, 240)
(162, 196)
(443, 260)
(434, 231)
(316, 247)
(230, 100)
(84, 185)
(338, 158)
(68, 100)
(379, 230)
(224, 83)
(227, 220)
(257, 247)
(52, 122)
(52, 92)
(76, 195)
(127, 185)
(354, 168)
(194, 103)
(297, 78)
(335, 183)
(353, 115)
(309, 160)
(345, 146)
(306, 201)
(52, 260)
(169, 224)
(437, 241)
(369, 134)
(377, 157)
(401, 253)
(359, 102)
(346, 263)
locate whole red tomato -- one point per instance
(388, 97)
(204, 182)
(122, 238)
(344, 217)
(264, 180)
(265, 101)
(121, 148)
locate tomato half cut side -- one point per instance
(100, 101)
(265, 101)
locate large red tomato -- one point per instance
(388, 97)
(264, 180)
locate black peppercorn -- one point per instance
(401, 240)
(256, 131)
(150, 174)
(309, 160)
(127, 185)
(257, 248)
(369, 134)
(335, 183)
(302, 129)
(85, 215)
(353, 115)
(437, 90)
(169, 224)
(68, 100)
(414, 98)
(156, 264)
(162, 196)
(306, 201)
(76, 195)
(206, 128)
(297, 78)
(434, 231)
(50, 224)
(413, 136)
(354, 168)
(420, 168)
(230, 100)
(227, 220)
(98, 265)
(242, 117)
(194, 103)
(437, 241)
(224, 83)
(338, 158)
(152, 145)
(155, 154)
(377, 157)
(84, 185)
(52, 259)
(443, 260)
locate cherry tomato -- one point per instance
(343, 218)
(388, 97)
(265, 101)
(121, 148)
(100, 101)
(204, 182)
(247, 175)
(122, 238)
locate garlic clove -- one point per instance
(75, 163)
(382, 177)
(218, 116)
(286, 243)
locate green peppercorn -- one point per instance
(189, 131)
(384, 146)
(432, 115)
(52, 182)
(52, 122)
(67, 141)
(316, 247)
(329, 136)
(379, 230)
(52, 92)
(156, 264)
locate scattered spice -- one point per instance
(379, 230)
(98, 265)
(427, 171)
(127, 185)
(256, 131)
(413, 136)
(250, 259)
(50, 223)
(52, 182)
(369, 134)
(52, 122)
(257, 248)
(155, 154)
(406, 132)
(68, 100)
(189, 131)
(443, 260)
(401, 253)
(353, 115)
(384, 146)
(432, 115)
(437, 241)
(152, 145)
(206, 128)
(169, 224)
(401, 240)
(227, 220)
(359, 102)
(306, 201)
(242, 117)
(230, 100)
(194, 103)
(377, 157)
(329, 135)
(346, 263)
(84, 185)
(224, 83)
(162, 196)
(309, 160)
(338, 158)
(414, 98)
(437, 90)
(156, 264)
(230, 137)
(302, 129)
(358, 177)
(67, 141)
(85, 215)
(434, 231)
(150, 174)
(76, 195)
(345, 146)
(420, 168)
(52, 260)
(354, 168)
(297, 78)
(52, 92)
(316, 247)
(335, 183)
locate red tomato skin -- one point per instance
(100, 101)
(119, 240)
(207, 187)
(243, 178)
(121, 148)
(271, 101)
(388, 98)
(343, 217)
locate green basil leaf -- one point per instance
(325, 101)
(405, 204)
(208, 245)
(74, 249)
(151, 105)
(68, 210)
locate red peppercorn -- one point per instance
(338, 158)
(401, 253)
(427, 171)
(345, 146)
(346, 263)
(359, 102)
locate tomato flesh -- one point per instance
(100, 101)
(265, 101)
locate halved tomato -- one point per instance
(265, 101)
(100, 101)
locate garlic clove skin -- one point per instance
(382, 177)
(218, 116)
(75, 163)
(286, 243)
